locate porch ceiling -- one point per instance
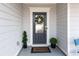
(39, 4)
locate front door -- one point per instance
(39, 28)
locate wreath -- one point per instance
(39, 19)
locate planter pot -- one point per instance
(53, 45)
(25, 46)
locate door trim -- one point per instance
(39, 9)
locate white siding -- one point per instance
(74, 25)
(61, 13)
(10, 28)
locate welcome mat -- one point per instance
(40, 50)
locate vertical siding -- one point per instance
(10, 28)
(62, 26)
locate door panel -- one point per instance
(39, 28)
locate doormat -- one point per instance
(40, 50)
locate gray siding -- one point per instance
(10, 28)
(62, 26)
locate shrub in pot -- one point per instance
(24, 39)
(53, 42)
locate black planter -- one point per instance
(25, 46)
(53, 45)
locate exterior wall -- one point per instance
(27, 20)
(52, 22)
(61, 14)
(10, 28)
(74, 26)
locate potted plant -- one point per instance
(24, 39)
(53, 42)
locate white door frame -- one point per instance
(39, 9)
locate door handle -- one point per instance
(46, 28)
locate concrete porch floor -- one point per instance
(54, 52)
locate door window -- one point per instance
(39, 23)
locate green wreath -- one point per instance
(39, 19)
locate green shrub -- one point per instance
(53, 40)
(24, 40)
